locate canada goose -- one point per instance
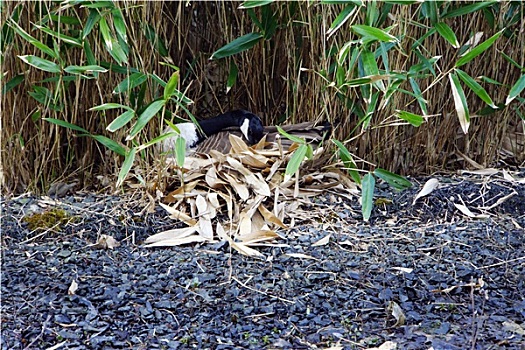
(215, 129)
(242, 123)
(308, 131)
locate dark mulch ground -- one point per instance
(460, 282)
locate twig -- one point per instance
(500, 263)
(474, 326)
(44, 326)
(261, 292)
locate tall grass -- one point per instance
(299, 70)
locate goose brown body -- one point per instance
(308, 131)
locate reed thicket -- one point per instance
(411, 87)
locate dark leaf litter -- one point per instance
(460, 282)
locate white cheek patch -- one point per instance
(244, 128)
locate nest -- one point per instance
(244, 196)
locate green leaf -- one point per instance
(232, 76)
(240, 44)
(145, 117)
(348, 161)
(367, 198)
(469, 56)
(516, 90)
(60, 36)
(180, 151)
(249, 4)
(65, 19)
(447, 33)
(419, 96)
(110, 144)
(98, 4)
(107, 106)
(347, 12)
(474, 86)
(414, 119)
(460, 102)
(85, 69)
(45, 97)
(41, 63)
(126, 166)
(296, 159)
(463, 10)
(291, 137)
(371, 33)
(396, 181)
(93, 19)
(66, 124)
(130, 82)
(12, 83)
(39, 45)
(121, 121)
(171, 86)
(119, 23)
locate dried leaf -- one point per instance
(398, 313)
(72, 288)
(240, 247)
(239, 187)
(466, 211)
(270, 217)
(179, 215)
(106, 242)
(177, 241)
(174, 234)
(388, 345)
(238, 145)
(323, 241)
(429, 186)
(212, 179)
(205, 227)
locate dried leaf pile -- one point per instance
(243, 196)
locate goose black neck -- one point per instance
(216, 124)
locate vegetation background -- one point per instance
(411, 87)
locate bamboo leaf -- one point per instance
(65, 124)
(84, 69)
(469, 56)
(460, 102)
(516, 90)
(348, 161)
(41, 63)
(126, 166)
(121, 121)
(180, 151)
(145, 117)
(110, 144)
(12, 83)
(130, 82)
(107, 106)
(60, 36)
(171, 86)
(291, 137)
(447, 34)
(232, 76)
(367, 197)
(240, 44)
(371, 33)
(249, 4)
(474, 86)
(341, 18)
(93, 19)
(414, 119)
(296, 159)
(39, 45)
(396, 181)
(463, 10)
